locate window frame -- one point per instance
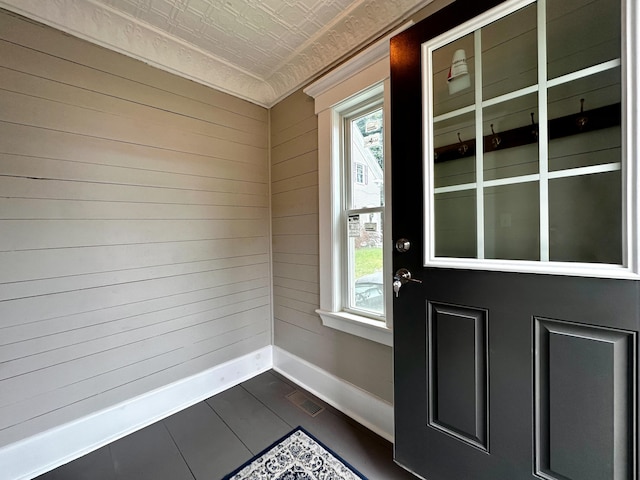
(372, 102)
(630, 269)
(365, 75)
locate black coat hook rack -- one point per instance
(583, 122)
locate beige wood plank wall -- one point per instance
(294, 198)
(134, 228)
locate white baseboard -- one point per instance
(366, 409)
(43, 452)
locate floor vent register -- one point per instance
(304, 403)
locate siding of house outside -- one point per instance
(134, 228)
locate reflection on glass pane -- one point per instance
(581, 33)
(584, 122)
(367, 160)
(455, 224)
(454, 141)
(365, 263)
(598, 90)
(585, 219)
(453, 74)
(512, 221)
(593, 148)
(511, 138)
(510, 53)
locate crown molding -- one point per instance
(102, 25)
(376, 52)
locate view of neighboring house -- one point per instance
(367, 174)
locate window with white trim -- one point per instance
(352, 103)
(524, 154)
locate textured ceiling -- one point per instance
(260, 50)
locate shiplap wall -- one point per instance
(294, 198)
(134, 228)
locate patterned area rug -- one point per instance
(296, 456)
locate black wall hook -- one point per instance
(463, 148)
(582, 120)
(495, 139)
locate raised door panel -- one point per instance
(457, 338)
(585, 401)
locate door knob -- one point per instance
(401, 277)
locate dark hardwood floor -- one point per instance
(212, 438)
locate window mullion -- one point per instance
(543, 131)
(479, 145)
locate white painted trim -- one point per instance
(509, 96)
(543, 132)
(595, 270)
(631, 130)
(363, 407)
(501, 10)
(364, 79)
(361, 78)
(479, 118)
(374, 330)
(328, 91)
(43, 452)
(569, 77)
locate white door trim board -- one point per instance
(366, 409)
(43, 452)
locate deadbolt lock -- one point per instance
(403, 245)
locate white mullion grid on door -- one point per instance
(428, 194)
(477, 46)
(510, 96)
(455, 188)
(543, 131)
(454, 113)
(585, 72)
(492, 101)
(581, 171)
(571, 172)
(631, 137)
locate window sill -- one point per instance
(373, 330)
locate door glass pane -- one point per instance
(453, 74)
(581, 33)
(365, 263)
(367, 160)
(585, 218)
(511, 138)
(512, 221)
(580, 164)
(510, 53)
(455, 160)
(584, 121)
(455, 224)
